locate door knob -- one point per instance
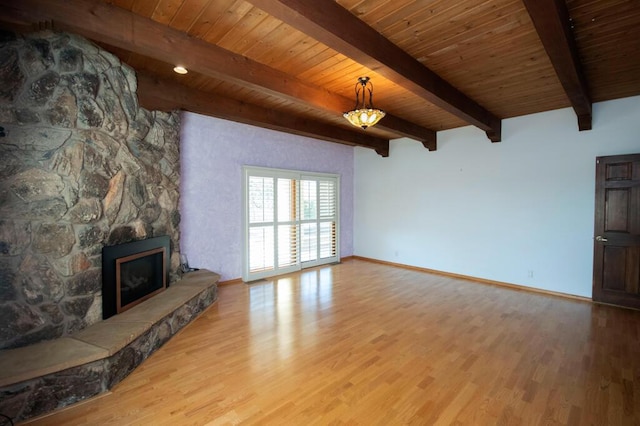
(601, 238)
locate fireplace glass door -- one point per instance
(138, 277)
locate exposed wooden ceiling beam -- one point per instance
(120, 28)
(165, 95)
(336, 27)
(408, 129)
(552, 22)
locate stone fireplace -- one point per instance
(81, 167)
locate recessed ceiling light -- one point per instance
(180, 69)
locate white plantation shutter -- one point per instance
(261, 197)
(308, 242)
(319, 239)
(261, 201)
(327, 199)
(308, 220)
(287, 229)
(291, 221)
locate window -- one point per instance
(291, 221)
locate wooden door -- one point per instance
(616, 268)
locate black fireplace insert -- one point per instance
(133, 272)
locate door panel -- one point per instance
(616, 210)
(616, 276)
(615, 261)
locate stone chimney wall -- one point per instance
(81, 166)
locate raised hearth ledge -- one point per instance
(166, 312)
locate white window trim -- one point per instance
(286, 174)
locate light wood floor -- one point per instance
(368, 344)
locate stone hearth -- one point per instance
(40, 378)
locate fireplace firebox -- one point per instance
(133, 272)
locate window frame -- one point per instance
(298, 176)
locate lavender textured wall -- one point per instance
(213, 152)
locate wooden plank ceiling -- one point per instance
(292, 64)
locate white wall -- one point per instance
(520, 211)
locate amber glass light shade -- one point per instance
(364, 114)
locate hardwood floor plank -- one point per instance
(361, 343)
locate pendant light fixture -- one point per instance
(364, 115)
